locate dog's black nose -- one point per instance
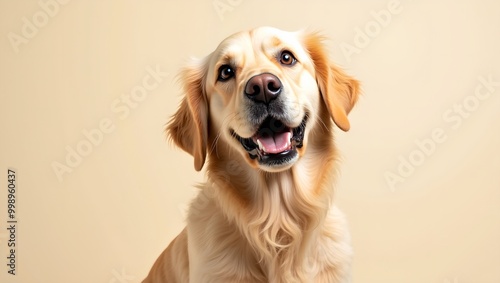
(263, 88)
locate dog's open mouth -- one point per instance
(274, 143)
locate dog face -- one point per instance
(260, 93)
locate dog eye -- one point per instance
(286, 58)
(225, 73)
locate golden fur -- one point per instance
(251, 222)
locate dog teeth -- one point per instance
(261, 147)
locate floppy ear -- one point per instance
(338, 90)
(188, 127)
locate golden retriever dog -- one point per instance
(259, 114)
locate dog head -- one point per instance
(262, 93)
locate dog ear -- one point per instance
(338, 90)
(188, 127)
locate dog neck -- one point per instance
(279, 214)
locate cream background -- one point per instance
(109, 219)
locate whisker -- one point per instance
(213, 147)
(315, 115)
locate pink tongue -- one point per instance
(276, 143)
